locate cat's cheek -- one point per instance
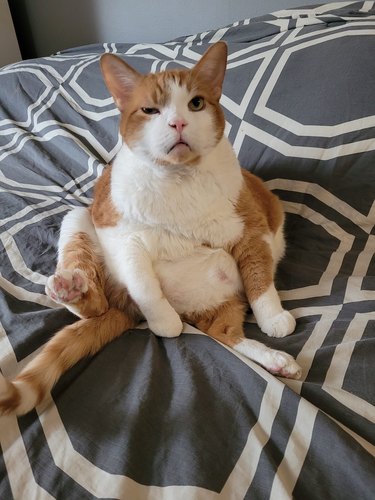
(131, 129)
(154, 137)
(205, 135)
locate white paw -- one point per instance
(166, 323)
(282, 364)
(67, 286)
(280, 325)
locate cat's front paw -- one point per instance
(166, 323)
(67, 286)
(280, 325)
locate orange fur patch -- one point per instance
(103, 212)
(79, 254)
(262, 214)
(224, 323)
(10, 403)
(268, 202)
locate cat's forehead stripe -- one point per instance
(160, 86)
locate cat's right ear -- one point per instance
(120, 78)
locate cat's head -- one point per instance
(173, 117)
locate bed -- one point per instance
(188, 418)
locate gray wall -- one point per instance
(9, 51)
(46, 26)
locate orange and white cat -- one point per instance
(177, 232)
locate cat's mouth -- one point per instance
(179, 146)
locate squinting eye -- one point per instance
(150, 111)
(196, 104)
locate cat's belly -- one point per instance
(192, 276)
(201, 281)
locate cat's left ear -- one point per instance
(211, 67)
(120, 78)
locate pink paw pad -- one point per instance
(285, 366)
(67, 286)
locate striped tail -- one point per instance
(74, 342)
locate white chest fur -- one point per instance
(193, 204)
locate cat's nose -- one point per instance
(178, 124)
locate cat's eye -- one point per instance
(196, 104)
(150, 111)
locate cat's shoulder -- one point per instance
(256, 186)
(252, 182)
(103, 211)
(256, 199)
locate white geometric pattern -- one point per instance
(298, 128)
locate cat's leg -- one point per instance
(78, 284)
(225, 325)
(79, 278)
(206, 289)
(276, 362)
(256, 257)
(131, 261)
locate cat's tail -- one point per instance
(74, 342)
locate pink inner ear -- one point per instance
(120, 79)
(211, 67)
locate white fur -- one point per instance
(76, 221)
(206, 278)
(271, 317)
(279, 363)
(277, 245)
(180, 279)
(190, 203)
(268, 311)
(168, 212)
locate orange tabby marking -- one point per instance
(103, 212)
(262, 213)
(79, 254)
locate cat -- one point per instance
(177, 231)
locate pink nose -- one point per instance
(178, 124)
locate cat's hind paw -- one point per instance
(67, 286)
(276, 362)
(283, 365)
